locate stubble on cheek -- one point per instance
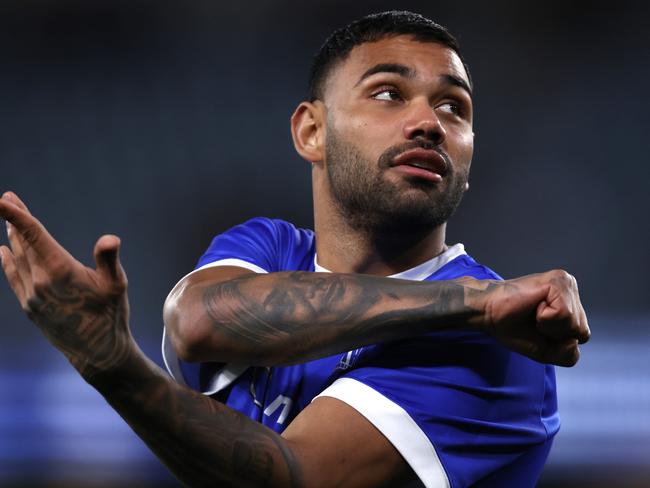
(369, 196)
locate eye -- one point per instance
(387, 94)
(452, 108)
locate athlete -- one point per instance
(376, 354)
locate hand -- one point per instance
(82, 311)
(539, 316)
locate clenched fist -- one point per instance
(539, 316)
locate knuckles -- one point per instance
(118, 288)
(31, 234)
(571, 355)
(562, 277)
(42, 288)
(32, 306)
(58, 271)
(562, 353)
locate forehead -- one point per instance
(427, 59)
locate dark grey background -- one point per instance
(167, 122)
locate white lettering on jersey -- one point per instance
(348, 359)
(275, 404)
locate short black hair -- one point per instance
(372, 28)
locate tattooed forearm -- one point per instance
(283, 318)
(203, 442)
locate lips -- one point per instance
(424, 160)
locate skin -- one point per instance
(230, 314)
(84, 312)
(385, 110)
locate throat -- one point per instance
(347, 250)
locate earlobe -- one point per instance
(307, 130)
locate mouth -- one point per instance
(426, 164)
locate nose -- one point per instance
(423, 122)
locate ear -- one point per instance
(307, 130)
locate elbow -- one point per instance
(185, 332)
(215, 335)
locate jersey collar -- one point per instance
(421, 271)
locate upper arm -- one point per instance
(338, 447)
(259, 245)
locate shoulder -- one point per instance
(268, 228)
(464, 265)
(271, 244)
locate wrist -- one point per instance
(125, 364)
(477, 298)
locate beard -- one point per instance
(368, 200)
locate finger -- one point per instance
(559, 352)
(107, 258)
(18, 239)
(19, 259)
(567, 353)
(553, 321)
(30, 229)
(560, 318)
(12, 197)
(554, 307)
(11, 272)
(585, 331)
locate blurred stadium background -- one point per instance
(167, 122)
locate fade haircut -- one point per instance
(372, 28)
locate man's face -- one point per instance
(399, 141)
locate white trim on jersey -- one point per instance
(229, 372)
(240, 263)
(396, 425)
(222, 378)
(421, 271)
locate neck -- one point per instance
(344, 248)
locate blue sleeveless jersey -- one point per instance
(460, 408)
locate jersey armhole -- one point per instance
(396, 425)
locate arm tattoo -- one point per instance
(289, 317)
(203, 442)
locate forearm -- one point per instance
(282, 318)
(203, 442)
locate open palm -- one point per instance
(82, 311)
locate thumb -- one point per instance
(107, 258)
(545, 311)
(551, 307)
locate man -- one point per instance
(397, 338)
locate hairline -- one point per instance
(335, 64)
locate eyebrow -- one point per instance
(396, 68)
(407, 72)
(455, 81)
